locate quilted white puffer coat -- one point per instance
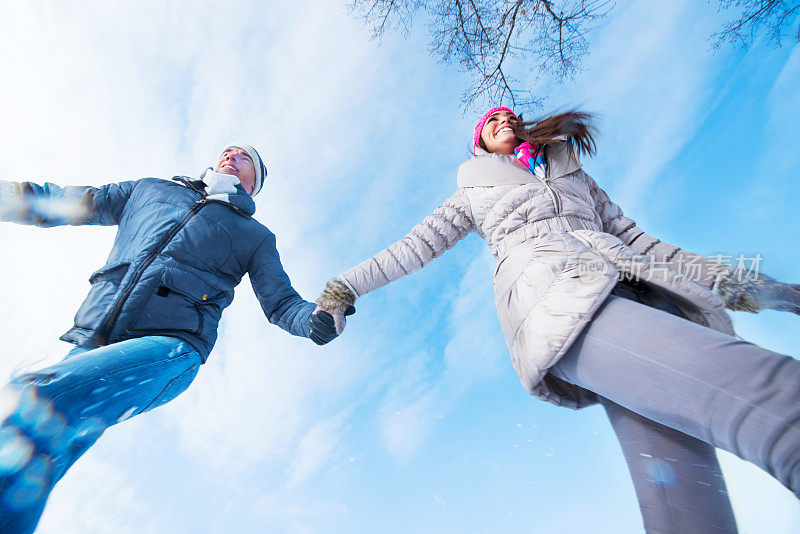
(561, 246)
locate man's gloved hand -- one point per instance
(328, 320)
(327, 325)
(757, 293)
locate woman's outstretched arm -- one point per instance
(739, 291)
(51, 205)
(440, 231)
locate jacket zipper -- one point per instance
(554, 197)
(105, 329)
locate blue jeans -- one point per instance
(720, 390)
(60, 411)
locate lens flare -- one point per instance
(51, 427)
(9, 401)
(31, 486)
(15, 451)
(661, 472)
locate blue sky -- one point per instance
(414, 420)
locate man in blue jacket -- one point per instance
(150, 319)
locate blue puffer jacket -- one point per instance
(176, 259)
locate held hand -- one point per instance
(328, 319)
(759, 293)
(323, 328)
(326, 325)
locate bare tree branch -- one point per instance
(385, 15)
(775, 15)
(508, 44)
(490, 39)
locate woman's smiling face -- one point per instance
(498, 133)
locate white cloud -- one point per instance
(315, 450)
(783, 130)
(97, 498)
(407, 414)
(772, 507)
(474, 354)
(476, 350)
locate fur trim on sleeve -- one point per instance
(336, 295)
(739, 295)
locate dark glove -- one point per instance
(757, 293)
(327, 321)
(326, 326)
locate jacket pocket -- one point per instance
(181, 301)
(105, 284)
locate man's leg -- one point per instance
(56, 414)
(732, 394)
(677, 478)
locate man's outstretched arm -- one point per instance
(51, 205)
(282, 305)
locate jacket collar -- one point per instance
(487, 169)
(241, 201)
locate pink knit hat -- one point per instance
(479, 127)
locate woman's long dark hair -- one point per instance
(575, 127)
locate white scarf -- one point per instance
(219, 186)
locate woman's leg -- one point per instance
(59, 412)
(677, 478)
(730, 393)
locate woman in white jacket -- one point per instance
(595, 310)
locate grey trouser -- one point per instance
(677, 478)
(723, 391)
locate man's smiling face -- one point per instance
(236, 162)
